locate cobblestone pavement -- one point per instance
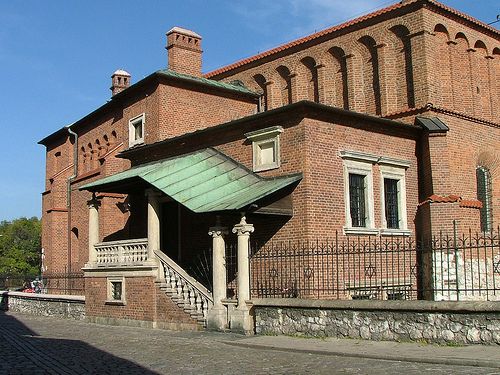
(40, 345)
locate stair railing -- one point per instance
(185, 290)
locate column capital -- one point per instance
(94, 202)
(243, 228)
(215, 232)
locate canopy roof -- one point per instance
(203, 181)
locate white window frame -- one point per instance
(109, 281)
(263, 136)
(364, 168)
(394, 172)
(141, 119)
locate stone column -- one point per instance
(153, 223)
(93, 205)
(217, 316)
(241, 320)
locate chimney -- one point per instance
(120, 80)
(184, 51)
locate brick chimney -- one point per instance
(120, 80)
(184, 51)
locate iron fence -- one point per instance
(49, 283)
(448, 267)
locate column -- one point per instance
(153, 223)
(93, 206)
(217, 316)
(241, 320)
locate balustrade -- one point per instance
(126, 252)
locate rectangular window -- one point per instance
(393, 200)
(136, 130)
(116, 290)
(391, 203)
(266, 148)
(357, 199)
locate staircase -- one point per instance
(183, 289)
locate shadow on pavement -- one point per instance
(26, 352)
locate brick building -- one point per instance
(386, 125)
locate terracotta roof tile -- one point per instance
(305, 39)
(472, 203)
(344, 25)
(452, 198)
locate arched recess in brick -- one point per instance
(308, 75)
(462, 78)
(285, 84)
(91, 157)
(84, 159)
(403, 63)
(371, 78)
(481, 80)
(75, 250)
(98, 148)
(442, 70)
(262, 83)
(337, 75)
(495, 83)
(113, 139)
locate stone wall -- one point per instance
(433, 322)
(68, 307)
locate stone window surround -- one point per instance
(109, 286)
(263, 136)
(395, 173)
(362, 163)
(131, 129)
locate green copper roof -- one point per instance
(210, 82)
(203, 181)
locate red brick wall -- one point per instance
(144, 301)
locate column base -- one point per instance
(217, 319)
(241, 321)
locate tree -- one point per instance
(20, 246)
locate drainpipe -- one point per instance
(68, 192)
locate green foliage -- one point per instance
(20, 246)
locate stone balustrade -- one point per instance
(120, 253)
(188, 293)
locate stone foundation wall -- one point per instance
(433, 322)
(68, 307)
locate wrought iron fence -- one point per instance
(51, 283)
(447, 267)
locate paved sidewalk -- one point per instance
(473, 355)
(40, 345)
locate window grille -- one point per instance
(484, 193)
(391, 203)
(357, 199)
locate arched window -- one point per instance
(484, 194)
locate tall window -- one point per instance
(483, 179)
(391, 203)
(357, 199)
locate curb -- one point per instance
(385, 357)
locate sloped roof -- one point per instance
(203, 181)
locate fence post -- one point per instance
(455, 248)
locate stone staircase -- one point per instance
(183, 289)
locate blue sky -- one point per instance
(56, 58)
